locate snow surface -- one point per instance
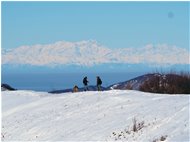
(94, 116)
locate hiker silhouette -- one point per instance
(85, 82)
(99, 83)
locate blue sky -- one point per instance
(112, 28)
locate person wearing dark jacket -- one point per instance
(99, 83)
(85, 82)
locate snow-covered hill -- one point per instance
(108, 115)
(133, 84)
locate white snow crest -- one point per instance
(94, 116)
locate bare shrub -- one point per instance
(136, 126)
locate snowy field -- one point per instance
(95, 116)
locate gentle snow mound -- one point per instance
(94, 116)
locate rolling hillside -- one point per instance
(94, 116)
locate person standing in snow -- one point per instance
(85, 82)
(99, 83)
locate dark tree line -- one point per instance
(168, 83)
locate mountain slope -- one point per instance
(157, 83)
(132, 84)
(88, 116)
